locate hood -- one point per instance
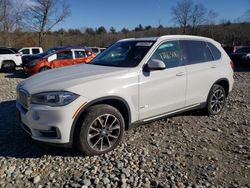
(63, 78)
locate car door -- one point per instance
(64, 58)
(163, 91)
(80, 56)
(201, 68)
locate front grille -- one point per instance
(23, 97)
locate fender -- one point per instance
(91, 103)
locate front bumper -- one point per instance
(49, 124)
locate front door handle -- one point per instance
(180, 74)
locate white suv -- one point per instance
(9, 59)
(132, 82)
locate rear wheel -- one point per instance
(216, 100)
(101, 130)
(44, 69)
(8, 66)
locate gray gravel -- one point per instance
(188, 150)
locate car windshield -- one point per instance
(123, 54)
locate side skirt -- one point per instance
(168, 114)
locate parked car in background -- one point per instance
(133, 82)
(28, 58)
(97, 50)
(58, 59)
(30, 50)
(241, 56)
(228, 49)
(9, 59)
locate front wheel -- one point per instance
(216, 100)
(101, 130)
(44, 69)
(9, 66)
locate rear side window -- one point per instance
(196, 52)
(170, 53)
(215, 52)
(64, 55)
(6, 51)
(80, 54)
(35, 51)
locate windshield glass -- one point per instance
(124, 54)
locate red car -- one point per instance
(58, 59)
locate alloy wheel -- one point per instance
(103, 132)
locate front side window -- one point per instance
(80, 54)
(25, 51)
(170, 53)
(64, 55)
(124, 54)
(196, 52)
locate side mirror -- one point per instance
(156, 64)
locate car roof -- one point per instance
(168, 37)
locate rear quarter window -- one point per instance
(214, 50)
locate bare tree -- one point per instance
(197, 16)
(211, 21)
(43, 15)
(4, 20)
(182, 13)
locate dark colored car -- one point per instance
(28, 58)
(241, 57)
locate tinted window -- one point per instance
(196, 52)
(25, 51)
(6, 51)
(215, 52)
(124, 54)
(80, 54)
(243, 50)
(170, 53)
(35, 51)
(64, 55)
(95, 50)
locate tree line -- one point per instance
(33, 25)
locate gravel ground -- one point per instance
(188, 150)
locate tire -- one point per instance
(100, 131)
(216, 100)
(44, 69)
(8, 66)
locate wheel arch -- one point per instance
(224, 82)
(115, 101)
(5, 61)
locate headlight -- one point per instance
(56, 98)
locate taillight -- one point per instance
(232, 64)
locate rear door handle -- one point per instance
(180, 74)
